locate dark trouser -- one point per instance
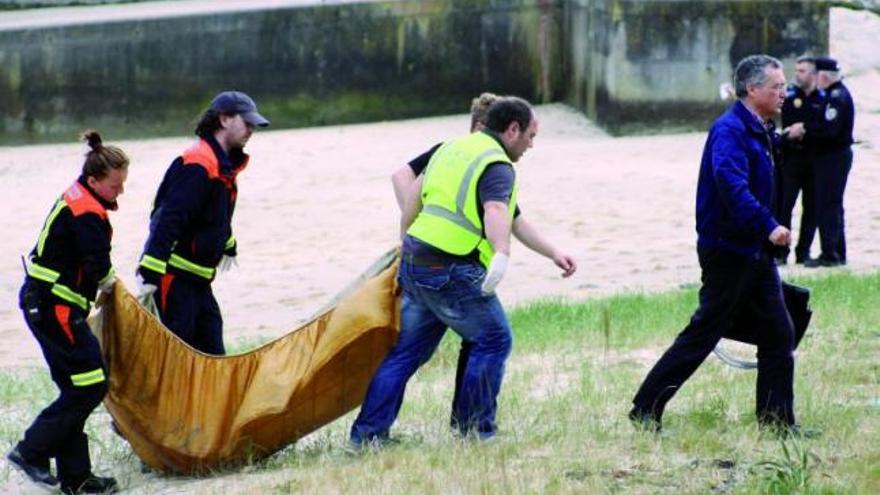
(731, 283)
(77, 368)
(832, 171)
(798, 175)
(463, 356)
(190, 311)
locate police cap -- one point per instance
(827, 63)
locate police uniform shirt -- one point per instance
(832, 131)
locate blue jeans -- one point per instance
(434, 298)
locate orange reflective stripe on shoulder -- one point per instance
(80, 201)
(200, 153)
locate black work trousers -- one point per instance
(731, 283)
(191, 312)
(77, 368)
(797, 178)
(832, 171)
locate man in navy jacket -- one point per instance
(735, 230)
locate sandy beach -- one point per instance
(316, 207)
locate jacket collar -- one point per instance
(109, 205)
(236, 158)
(749, 119)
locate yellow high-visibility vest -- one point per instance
(449, 219)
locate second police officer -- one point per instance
(831, 135)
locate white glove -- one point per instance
(145, 293)
(226, 263)
(107, 286)
(495, 273)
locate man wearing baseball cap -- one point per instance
(190, 236)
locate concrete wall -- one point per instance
(659, 62)
(308, 65)
(139, 70)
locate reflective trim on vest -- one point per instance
(62, 291)
(154, 264)
(182, 263)
(230, 243)
(449, 219)
(88, 378)
(457, 218)
(469, 175)
(41, 241)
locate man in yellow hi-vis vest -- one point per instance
(454, 254)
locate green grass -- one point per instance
(563, 429)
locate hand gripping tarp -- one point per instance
(187, 412)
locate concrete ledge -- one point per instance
(149, 68)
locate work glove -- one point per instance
(107, 286)
(145, 294)
(495, 273)
(227, 262)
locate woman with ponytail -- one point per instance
(64, 272)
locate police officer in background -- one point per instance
(804, 102)
(831, 135)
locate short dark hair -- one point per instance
(100, 159)
(509, 109)
(752, 71)
(807, 59)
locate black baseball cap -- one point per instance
(240, 103)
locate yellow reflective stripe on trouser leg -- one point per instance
(88, 378)
(182, 263)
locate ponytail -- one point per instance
(101, 158)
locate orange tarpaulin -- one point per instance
(187, 412)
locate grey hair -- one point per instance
(751, 71)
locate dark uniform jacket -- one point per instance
(72, 255)
(735, 187)
(190, 225)
(799, 107)
(833, 130)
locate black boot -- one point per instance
(91, 484)
(37, 472)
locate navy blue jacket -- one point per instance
(833, 131)
(735, 188)
(75, 241)
(192, 212)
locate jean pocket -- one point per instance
(473, 276)
(434, 281)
